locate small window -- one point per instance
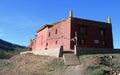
(49, 34)
(46, 44)
(102, 32)
(83, 31)
(82, 42)
(56, 31)
(56, 42)
(96, 41)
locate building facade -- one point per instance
(74, 31)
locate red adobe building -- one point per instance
(71, 31)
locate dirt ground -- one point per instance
(29, 64)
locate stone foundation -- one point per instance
(80, 51)
(56, 52)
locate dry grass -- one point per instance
(29, 64)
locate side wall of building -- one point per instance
(92, 37)
(53, 37)
(32, 44)
(40, 40)
(59, 34)
(66, 28)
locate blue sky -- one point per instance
(19, 19)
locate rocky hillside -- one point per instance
(28, 64)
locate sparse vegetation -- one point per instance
(5, 54)
(29, 64)
(56, 65)
(8, 49)
(98, 72)
(93, 67)
(94, 70)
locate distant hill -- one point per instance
(7, 49)
(7, 46)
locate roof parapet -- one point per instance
(43, 27)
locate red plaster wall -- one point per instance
(40, 40)
(54, 40)
(66, 34)
(32, 44)
(62, 36)
(93, 32)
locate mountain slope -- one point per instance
(7, 46)
(8, 49)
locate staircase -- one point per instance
(70, 59)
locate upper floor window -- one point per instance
(83, 31)
(56, 31)
(102, 32)
(49, 34)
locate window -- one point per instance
(56, 42)
(82, 42)
(56, 31)
(102, 31)
(96, 41)
(46, 44)
(83, 31)
(49, 34)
